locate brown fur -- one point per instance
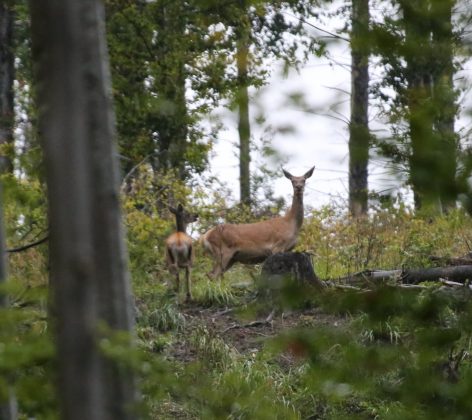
(252, 243)
(179, 249)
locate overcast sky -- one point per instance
(318, 138)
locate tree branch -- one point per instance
(28, 246)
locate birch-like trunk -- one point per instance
(244, 126)
(359, 125)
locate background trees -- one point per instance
(415, 46)
(173, 64)
(359, 136)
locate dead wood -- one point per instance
(257, 323)
(460, 273)
(448, 261)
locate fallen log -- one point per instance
(458, 273)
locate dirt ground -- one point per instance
(247, 335)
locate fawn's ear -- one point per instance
(287, 174)
(172, 210)
(309, 173)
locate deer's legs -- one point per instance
(222, 263)
(177, 281)
(188, 283)
(215, 272)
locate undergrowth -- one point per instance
(385, 353)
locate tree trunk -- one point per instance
(359, 125)
(8, 407)
(172, 120)
(6, 85)
(244, 127)
(89, 275)
(425, 159)
(445, 98)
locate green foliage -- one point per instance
(386, 353)
(387, 238)
(27, 351)
(24, 210)
(415, 43)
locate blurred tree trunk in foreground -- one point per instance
(8, 408)
(6, 85)
(359, 123)
(89, 274)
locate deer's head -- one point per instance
(298, 182)
(183, 217)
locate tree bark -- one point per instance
(445, 98)
(6, 85)
(89, 275)
(172, 119)
(359, 125)
(297, 265)
(425, 158)
(244, 126)
(8, 408)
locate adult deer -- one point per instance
(252, 243)
(179, 249)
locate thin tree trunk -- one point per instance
(6, 84)
(359, 125)
(244, 127)
(89, 275)
(8, 408)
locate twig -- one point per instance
(27, 246)
(257, 323)
(125, 178)
(224, 312)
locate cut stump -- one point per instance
(296, 265)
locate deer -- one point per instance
(252, 243)
(179, 249)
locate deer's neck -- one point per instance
(181, 226)
(296, 211)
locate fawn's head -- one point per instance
(183, 217)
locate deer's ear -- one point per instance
(172, 210)
(309, 173)
(287, 174)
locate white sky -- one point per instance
(317, 139)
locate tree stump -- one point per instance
(294, 265)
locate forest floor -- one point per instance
(246, 334)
